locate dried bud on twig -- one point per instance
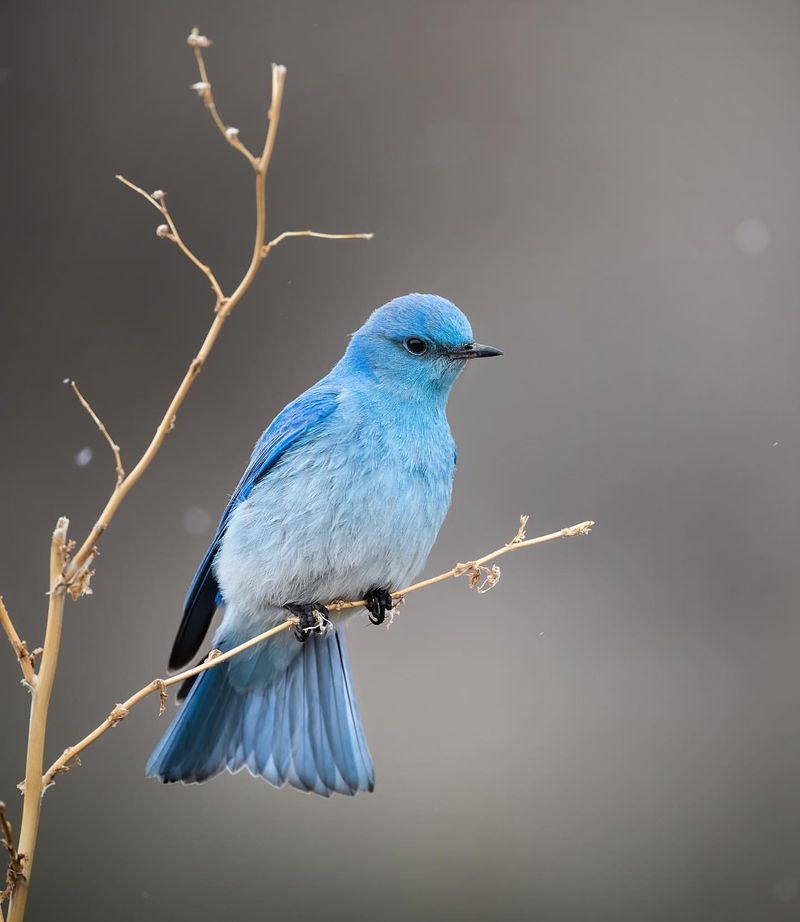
(159, 195)
(117, 715)
(520, 535)
(79, 585)
(201, 87)
(163, 231)
(196, 40)
(231, 133)
(161, 685)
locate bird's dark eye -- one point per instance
(416, 346)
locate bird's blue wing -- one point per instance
(299, 418)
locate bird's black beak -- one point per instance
(473, 351)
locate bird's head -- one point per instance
(416, 343)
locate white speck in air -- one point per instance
(785, 889)
(84, 456)
(753, 236)
(196, 521)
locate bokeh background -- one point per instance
(610, 190)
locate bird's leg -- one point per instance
(377, 603)
(311, 617)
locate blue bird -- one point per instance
(343, 498)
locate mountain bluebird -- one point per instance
(343, 498)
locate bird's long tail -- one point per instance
(303, 728)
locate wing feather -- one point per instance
(298, 420)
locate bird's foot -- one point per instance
(311, 616)
(377, 603)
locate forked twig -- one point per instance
(80, 563)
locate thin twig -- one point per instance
(197, 42)
(99, 423)
(215, 658)
(309, 233)
(158, 200)
(24, 656)
(14, 869)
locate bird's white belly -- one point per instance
(312, 533)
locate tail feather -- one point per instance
(355, 759)
(303, 728)
(189, 749)
(313, 758)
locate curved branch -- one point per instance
(476, 569)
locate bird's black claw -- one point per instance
(377, 603)
(311, 617)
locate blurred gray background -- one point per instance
(609, 189)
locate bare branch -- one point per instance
(98, 422)
(197, 42)
(215, 657)
(158, 200)
(309, 233)
(40, 702)
(14, 869)
(24, 656)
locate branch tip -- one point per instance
(104, 432)
(309, 233)
(196, 40)
(578, 530)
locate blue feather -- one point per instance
(301, 729)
